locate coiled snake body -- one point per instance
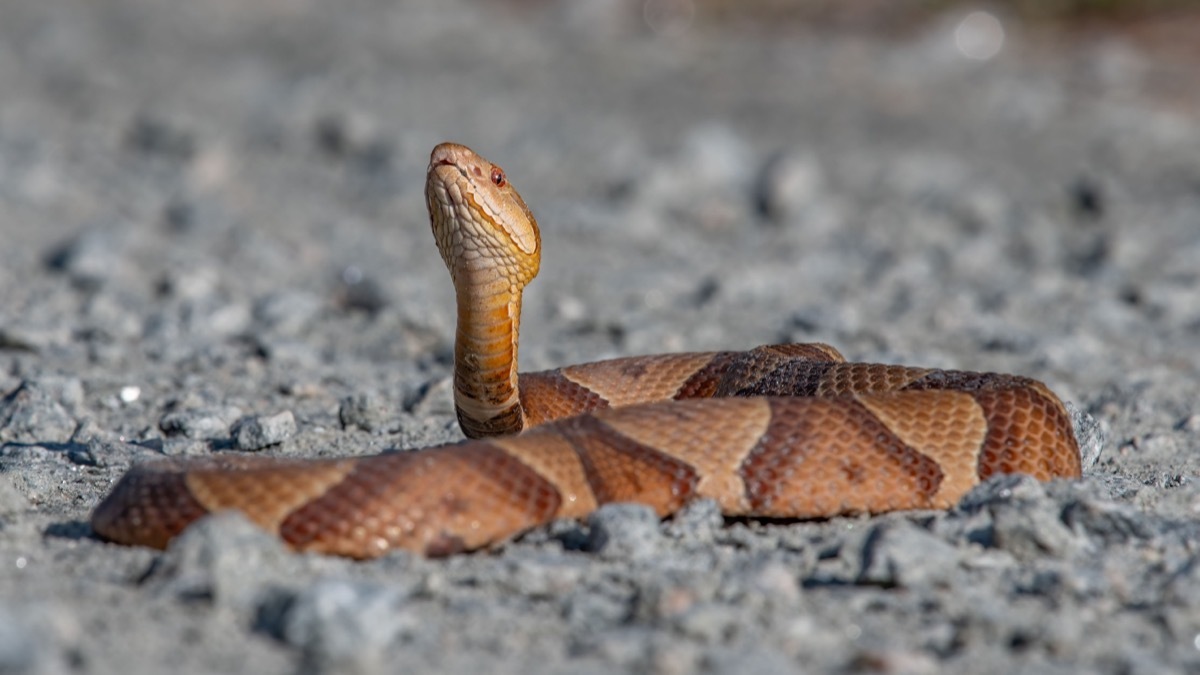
(778, 431)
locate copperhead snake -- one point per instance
(787, 431)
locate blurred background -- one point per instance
(836, 158)
(830, 139)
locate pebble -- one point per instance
(345, 626)
(287, 312)
(758, 660)
(192, 282)
(157, 136)
(256, 432)
(89, 258)
(39, 410)
(774, 580)
(21, 650)
(544, 577)
(624, 532)
(904, 555)
(366, 410)
(287, 351)
(788, 183)
(709, 623)
(223, 559)
(697, 523)
(12, 500)
(26, 338)
(1025, 521)
(1089, 433)
(433, 398)
(198, 423)
(1030, 531)
(1109, 522)
(185, 447)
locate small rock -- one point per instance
(902, 554)
(619, 651)
(591, 611)
(365, 410)
(259, 431)
(345, 627)
(544, 577)
(1029, 531)
(19, 649)
(717, 155)
(195, 282)
(433, 398)
(282, 350)
(184, 447)
(22, 648)
(155, 136)
(673, 657)
(103, 450)
(896, 661)
(12, 501)
(356, 140)
(1089, 433)
(698, 522)
(624, 531)
(223, 559)
(709, 622)
(81, 454)
(66, 390)
(775, 581)
(1109, 522)
(1025, 520)
(198, 423)
(672, 597)
(25, 339)
(361, 293)
(787, 184)
(287, 312)
(38, 411)
(1002, 489)
(757, 660)
(1087, 198)
(89, 258)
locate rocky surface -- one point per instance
(214, 240)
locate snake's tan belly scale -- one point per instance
(779, 431)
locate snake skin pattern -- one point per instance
(782, 431)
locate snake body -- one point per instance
(788, 431)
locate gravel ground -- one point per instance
(215, 239)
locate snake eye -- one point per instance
(498, 176)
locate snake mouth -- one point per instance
(447, 162)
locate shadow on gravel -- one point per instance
(74, 530)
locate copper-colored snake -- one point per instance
(777, 431)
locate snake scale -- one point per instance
(788, 431)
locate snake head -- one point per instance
(481, 224)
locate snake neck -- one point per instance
(492, 247)
(486, 395)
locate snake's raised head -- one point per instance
(483, 228)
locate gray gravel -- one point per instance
(215, 239)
